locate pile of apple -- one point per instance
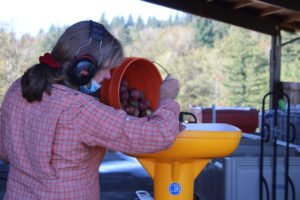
(132, 100)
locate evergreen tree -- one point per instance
(3, 62)
(220, 30)
(170, 20)
(130, 21)
(104, 21)
(187, 19)
(124, 35)
(139, 23)
(204, 34)
(29, 53)
(246, 67)
(290, 58)
(117, 22)
(177, 20)
(196, 80)
(51, 37)
(153, 22)
(15, 57)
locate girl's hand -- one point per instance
(169, 88)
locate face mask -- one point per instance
(94, 87)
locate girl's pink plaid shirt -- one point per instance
(55, 146)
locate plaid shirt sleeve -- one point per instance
(3, 153)
(101, 125)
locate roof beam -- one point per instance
(290, 28)
(241, 4)
(292, 18)
(293, 5)
(269, 11)
(213, 11)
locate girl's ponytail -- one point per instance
(39, 78)
(35, 82)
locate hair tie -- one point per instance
(48, 60)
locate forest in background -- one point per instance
(215, 63)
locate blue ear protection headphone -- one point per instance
(85, 67)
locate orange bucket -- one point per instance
(140, 73)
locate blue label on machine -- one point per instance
(174, 188)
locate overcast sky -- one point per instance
(29, 16)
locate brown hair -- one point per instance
(40, 77)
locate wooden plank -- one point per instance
(270, 11)
(275, 66)
(214, 11)
(293, 5)
(290, 28)
(241, 4)
(291, 18)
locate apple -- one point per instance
(124, 95)
(142, 104)
(129, 109)
(142, 113)
(147, 102)
(134, 93)
(123, 88)
(132, 100)
(124, 103)
(148, 111)
(136, 112)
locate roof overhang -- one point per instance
(265, 16)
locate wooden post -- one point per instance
(275, 62)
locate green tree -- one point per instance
(117, 22)
(51, 37)
(139, 23)
(197, 85)
(177, 20)
(187, 19)
(246, 67)
(153, 22)
(220, 30)
(204, 34)
(15, 56)
(290, 58)
(3, 63)
(124, 35)
(104, 21)
(170, 20)
(130, 21)
(28, 53)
